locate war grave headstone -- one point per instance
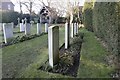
(39, 31)
(27, 27)
(22, 27)
(53, 45)
(67, 30)
(46, 27)
(72, 30)
(8, 31)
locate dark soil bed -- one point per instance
(68, 59)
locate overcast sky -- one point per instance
(81, 2)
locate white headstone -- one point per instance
(53, 45)
(8, 31)
(72, 30)
(31, 22)
(39, 28)
(27, 28)
(46, 27)
(49, 20)
(12, 24)
(66, 35)
(18, 22)
(23, 21)
(22, 27)
(75, 29)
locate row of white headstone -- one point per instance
(53, 40)
(27, 27)
(8, 29)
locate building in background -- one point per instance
(6, 5)
(48, 14)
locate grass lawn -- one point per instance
(19, 58)
(22, 60)
(93, 58)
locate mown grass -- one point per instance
(23, 59)
(93, 62)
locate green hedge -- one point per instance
(88, 15)
(104, 19)
(105, 23)
(9, 16)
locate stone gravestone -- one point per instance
(22, 27)
(72, 30)
(75, 29)
(53, 45)
(27, 27)
(77, 25)
(18, 22)
(46, 27)
(8, 31)
(67, 35)
(12, 24)
(38, 27)
(31, 22)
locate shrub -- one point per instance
(61, 20)
(9, 16)
(105, 22)
(88, 15)
(104, 19)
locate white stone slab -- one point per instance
(31, 22)
(75, 29)
(39, 30)
(27, 28)
(18, 22)
(8, 31)
(22, 27)
(53, 45)
(66, 35)
(72, 30)
(46, 27)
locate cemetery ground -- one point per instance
(24, 59)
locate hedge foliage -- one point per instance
(88, 15)
(105, 23)
(9, 16)
(12, 16)
(104, 19)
